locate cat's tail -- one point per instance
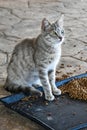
(14, 88)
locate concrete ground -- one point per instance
(22, 18)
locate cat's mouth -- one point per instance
(60, 38)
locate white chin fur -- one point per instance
(59, 41)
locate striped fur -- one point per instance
(33, 62)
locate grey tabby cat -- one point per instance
(34, 61)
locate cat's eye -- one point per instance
(62, 32)
(55, 33)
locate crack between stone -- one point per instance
(78, 59)
(5, 53)
(73, 54)
(74, 58)
(6, 36)
(12, 13)
(17, 23)
(81, 40)
(28, 4)
(9, 9)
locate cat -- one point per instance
(34, 61)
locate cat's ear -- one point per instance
(45, 25)
(60, 21)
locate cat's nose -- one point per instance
(60, 38)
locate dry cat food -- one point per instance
(33, 98)
(76, 89)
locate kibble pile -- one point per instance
(76, 89)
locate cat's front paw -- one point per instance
(57, 92)
(49, 97)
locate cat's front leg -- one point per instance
(46, 85)
(55, 90)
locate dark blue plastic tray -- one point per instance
(61, 114)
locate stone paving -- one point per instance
(22, 18)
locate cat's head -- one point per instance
(53, 32)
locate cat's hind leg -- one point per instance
(34, 91)
(15, 88)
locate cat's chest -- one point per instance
(52, 65)
(53, 61)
